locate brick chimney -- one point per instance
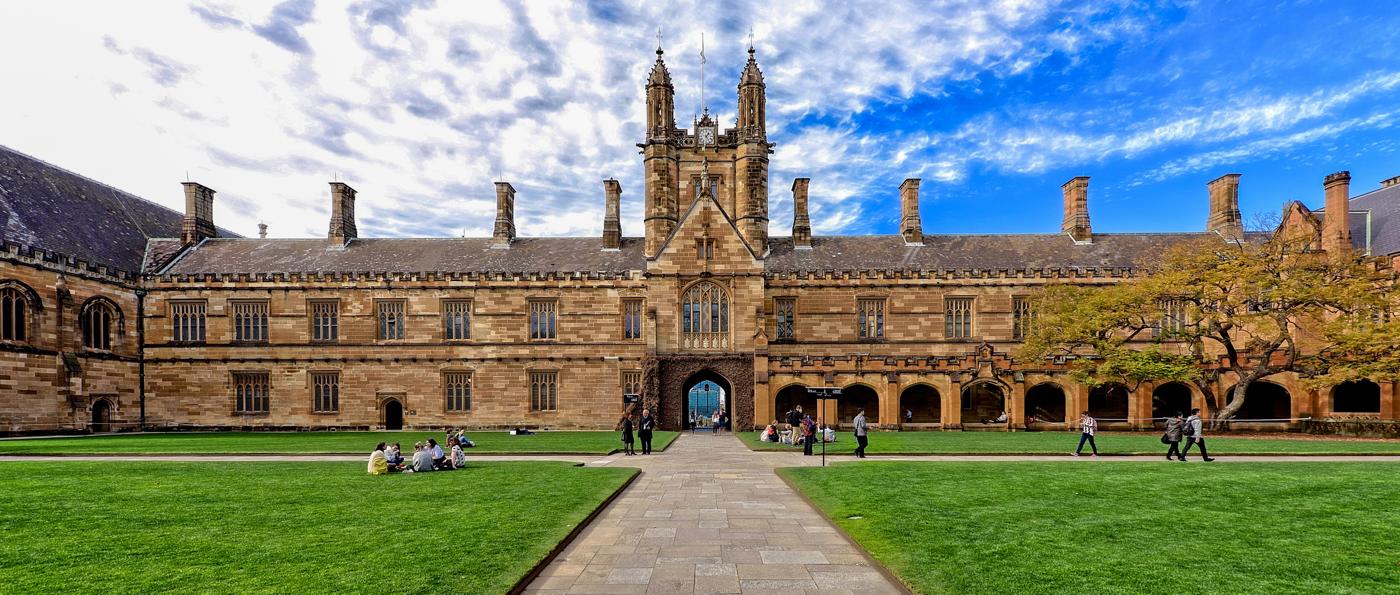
(505, 216)
(1076, 222)
(909, 224)
(801, 224)
(1224, 217)
(1388, 182)
(1336, 224)
(199, 213)
(342, 227)
(612, 218)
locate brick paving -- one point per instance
(710, 516)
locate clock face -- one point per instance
(707, 136)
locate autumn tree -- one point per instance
(1210, 306)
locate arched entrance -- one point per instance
(1046, 403)
(854, 398)
(1265, 401)
(1168, 400)
(101, 416)
(983, 400)
(704, 393)
(1109, 402)
(1356, 396)
(393, 414)
(921, 404)
(793, 396)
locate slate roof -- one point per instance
(1384, 205)
(409, 255)
(44, 206)
(989, 251)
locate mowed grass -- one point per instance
(1121, 527)
(285, 527)
(1117, 443)
(494, 442)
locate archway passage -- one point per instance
(1046, 403)
(980, 401)
(853, 399)
(1264, 400)
(704, 393)
(1109, 402)
(393, 415)
(101, 416)
(792, 397)
(1170, 399)
(921, 404)
(1356, 396)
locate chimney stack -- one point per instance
(1336, 224)
(909, 224)
(1224, 217)
(1388, 182)
(342, 227)
(801, 224)
(199, 213)
(1076, 222)
(612, 217)
(505, 216)
(262, 230)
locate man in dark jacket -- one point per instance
(644, 428)
(1193, 436)
(861, 432)
(1173, 435)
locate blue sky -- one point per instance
(421, 105)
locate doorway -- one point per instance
(705, 393)
(393, 414)
(101, 416)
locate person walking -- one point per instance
(861, 439)
(809, 430)
(644, 428)
(1087, 427)
(1173, 435)
(627, 441)
(1193, 436)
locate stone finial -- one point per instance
(504, 233)
(612, 218)
(1224, 217)
(1336, 223)
(1076, 222)
(801, 223)
(910, 225)
(262, 230)
(199, 213)
(342, 227)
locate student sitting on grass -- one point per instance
(439, 457)
(462, 440)
(393, 458)
(828, 434)
(378, 465)
(459, 458)
(422, 459)
(770, 433)
(1001, 419)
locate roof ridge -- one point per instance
(98, 182)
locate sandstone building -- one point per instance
(118, 313)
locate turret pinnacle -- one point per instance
(752, 75)
(659, 74)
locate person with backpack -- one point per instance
(1173, 435)
(1193, 436)
(1087, 427)
(809, 430)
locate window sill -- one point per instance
(252, 414)
(325, 413)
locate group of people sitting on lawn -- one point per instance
(800, 430)
(427, 456)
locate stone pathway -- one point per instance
(710, 516)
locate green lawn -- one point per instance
(285, 527)
(1118, 443)
(495, 442)
(1121, 527)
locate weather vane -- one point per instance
(658, 38)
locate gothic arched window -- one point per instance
(705, 317)
(14, 314)
(99, 320)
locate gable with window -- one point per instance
(456, 320)
(390, 319)
(187, 323)
(870, 319)
(957, 317)
(101, 322)
(785, 314)
(249, 321)
(705, 317)
(543, 315)
(705, 248)
(325, 321)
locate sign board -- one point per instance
(631, 398)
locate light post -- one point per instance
(822, 395)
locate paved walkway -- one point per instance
(709, 516)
